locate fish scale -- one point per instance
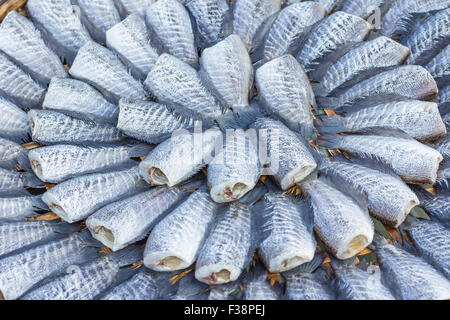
(101, 68)
(429, 38)
(366, 60)
(360, 8)
(60, 25)
(140, 287)
(343, 226)
(308, 286)
(20, 40)
(439, 66)
(175, 242)
(128, 7)
(432, 240)
(171, 23)
(16, 208)
(77, 198)
(389, 198)
(290, 27)
(14, 123)
(18, 86)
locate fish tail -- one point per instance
(331, 103)
(254, 195)
(330, 125)
(331, 141)
(378, 241)
(307, 131)
(23, 160)
(311, 266)
(319, 90)
(30, 180)
(65, 228)
(38, 204)
(140, 150)
(128, 256)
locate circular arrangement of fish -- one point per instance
(259, 149)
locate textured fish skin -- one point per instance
(58, 163)
(141, 286)
(88, 280)
(20, 40)
(339, 221)
(401, 15)
(15, 182)
(14, 124)
(439, 67)
(18, 235)
(190, 288)
(179, 158)
(77, 198)
(408, 276)
(228, 67)
(437, 205)
(333, 37)
(175, 83)
(175, 241)
(16, 208)
(18, 86)
(129, 220)
(79, 99)
(235, 169)
(249, 16)
(420, 120)
(286, 149)
(131, 40)
(170, 22)
(289, 240)
(20, 272)
(128, 7)
(102, 69)
(12, 154)
(98, 16)
(388, 198)
(290, 28)
(364, 61)
(285, 91)
(420, 167)
(444, 148)
(150, 121)
(403, 82)
(50, 127)
(360, 8)
(330, 5)
(60, 26)
(353, 283)
(429, 38)
(211, 18)
(432, 240)
(258, 288)
(444, 98)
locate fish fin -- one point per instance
(128, 256)
(254, 195)
(88, 240)
(409, 222)
(240, 118)
(331, 103)
(387, 132)
(378, 242)
(374, 164)
(31, 180)
(38, 204)
(319, 90)
(336, 263)
(23, 160)
(320, 155)
(194, 183)
(331, 141)
(140, 150)
(259, 40)
(330, 125)
(65, 228)
(307, 131)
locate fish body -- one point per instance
(131, 40)
(429, 38)
(98, 16)
(285, 91)
(18, 86)
(60, 26)
(439, 67)
(353, 283)
(332, 38)
(170, 22)
(288, 229)
(102, 69)
(54, 164)
(211, 17)
(419, 119)
(20, 40)
(142, 286)
(179, 158)
(228, 67)
(249, 17)
(21, 271)
(129, 220)
(388, 198)
(77, 198)
(289, 158)
(175, 83)
(15, 182)
(365, 60)
(174, 242)
(12, 154)
(51, 127)
(129, 7)
(361, 8)
(14, 124)
(408, 276)
(152, 122)
(339, 221)
(420, 167)
(290, 28)
(74, 97)
(403, 82)
(16, 208)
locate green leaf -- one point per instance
(419, 213)
(379, 227)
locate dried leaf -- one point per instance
(178, 277)
(379, 227)
(395, 234)
(50, 216)
(419, 213)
